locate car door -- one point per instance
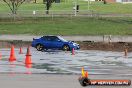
(47, 42)
(56, 43)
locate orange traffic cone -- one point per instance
(0, 55)
(28, 57)
(20, 52)
(84, 74)
(73, 51)
(12, 54)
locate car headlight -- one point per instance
(74, 44)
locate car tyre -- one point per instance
(40, 47)
(66, 48)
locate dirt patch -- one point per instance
(118, 46)
(16, 43)
(85, 45)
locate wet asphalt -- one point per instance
(59, 69)
(60, 62)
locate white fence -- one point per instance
(60, 13)
(52, 13)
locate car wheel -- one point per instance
(66, 48)
(39, 47)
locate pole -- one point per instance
(75, 11)
(88, 4)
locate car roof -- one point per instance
(50, 36)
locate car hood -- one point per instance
(72, 42)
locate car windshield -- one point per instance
(62, 39)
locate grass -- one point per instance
(112, 8)
(68, 26)
(95, 6)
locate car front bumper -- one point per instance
(75, 47)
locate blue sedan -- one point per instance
(53, 42)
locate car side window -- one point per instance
(50, 38)
(47, 38)
(53, 38)
(43, 37)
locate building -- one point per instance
(114, 1)
(124, 1)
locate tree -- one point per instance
(35, 1)
(14, 4)
(48, 5)
(105, 2)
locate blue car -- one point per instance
(53, 42)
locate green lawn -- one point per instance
(95, 6)
(68, 26)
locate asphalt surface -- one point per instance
(50, 81)
(58, 69)
(100, 65)
(60, 62)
